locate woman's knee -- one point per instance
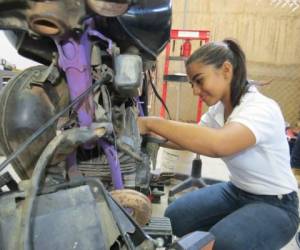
(172, 212)
(181, 221)
(169, 212)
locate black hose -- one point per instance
(49, 123)
(26, 223)
(158, 96)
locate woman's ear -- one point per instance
(227, 70)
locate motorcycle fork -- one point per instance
(74, 59)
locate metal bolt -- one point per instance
(160, 242)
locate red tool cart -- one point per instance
(187, 36)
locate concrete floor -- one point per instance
(211, 167)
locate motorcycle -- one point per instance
(73, 118)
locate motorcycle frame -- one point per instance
(74, 59)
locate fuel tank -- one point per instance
(146, 25)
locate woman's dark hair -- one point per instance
(216, 53)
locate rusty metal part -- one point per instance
(139, 205)
(31, 25)
(46, 26)
(52, 18)
(109, 9)
(71, 144)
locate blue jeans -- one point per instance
(239, 220)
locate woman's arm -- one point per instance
(172, 145)
(162, 141)
(232, 138)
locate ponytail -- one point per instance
(239, 83)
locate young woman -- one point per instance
(258, 207)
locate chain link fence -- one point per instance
(281, 83)
(291, 5)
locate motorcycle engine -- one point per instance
(118, 102)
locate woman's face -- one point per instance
(209, 83)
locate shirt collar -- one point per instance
(219, 108)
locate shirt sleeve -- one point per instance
(260, 118)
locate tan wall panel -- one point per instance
(269, 36)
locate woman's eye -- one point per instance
(199, 81)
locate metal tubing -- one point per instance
(74, 59)
(114, 163)
(140, 106)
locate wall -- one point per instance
(269, 36)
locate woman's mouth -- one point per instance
(203, 97)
